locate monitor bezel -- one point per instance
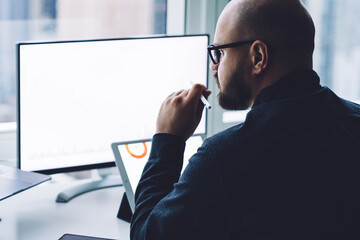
(96, 165)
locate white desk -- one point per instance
(34, 214)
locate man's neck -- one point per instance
(274, 74)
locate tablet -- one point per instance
(131, 158)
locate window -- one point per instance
(337, 45)
(46, 20)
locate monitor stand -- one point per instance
(106, 180)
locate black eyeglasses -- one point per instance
(215, 53)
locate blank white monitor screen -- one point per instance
(77, 97)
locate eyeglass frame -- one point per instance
(229, 45)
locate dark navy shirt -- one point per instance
(290, 171)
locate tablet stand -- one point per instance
(124, 212)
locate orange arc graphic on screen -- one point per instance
(134, 155)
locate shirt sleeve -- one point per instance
(167, 207)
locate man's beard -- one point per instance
(235, 94)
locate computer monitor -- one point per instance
(75, 98)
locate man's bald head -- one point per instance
(285, 25)
(277, 38)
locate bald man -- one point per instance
(290, 171)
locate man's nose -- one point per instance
(213, 66)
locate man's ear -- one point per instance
(259, 57)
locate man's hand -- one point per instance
(181, 112)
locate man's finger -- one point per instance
(179, 92)
(195, 92)
(206, 93)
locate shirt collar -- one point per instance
(294, 84)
